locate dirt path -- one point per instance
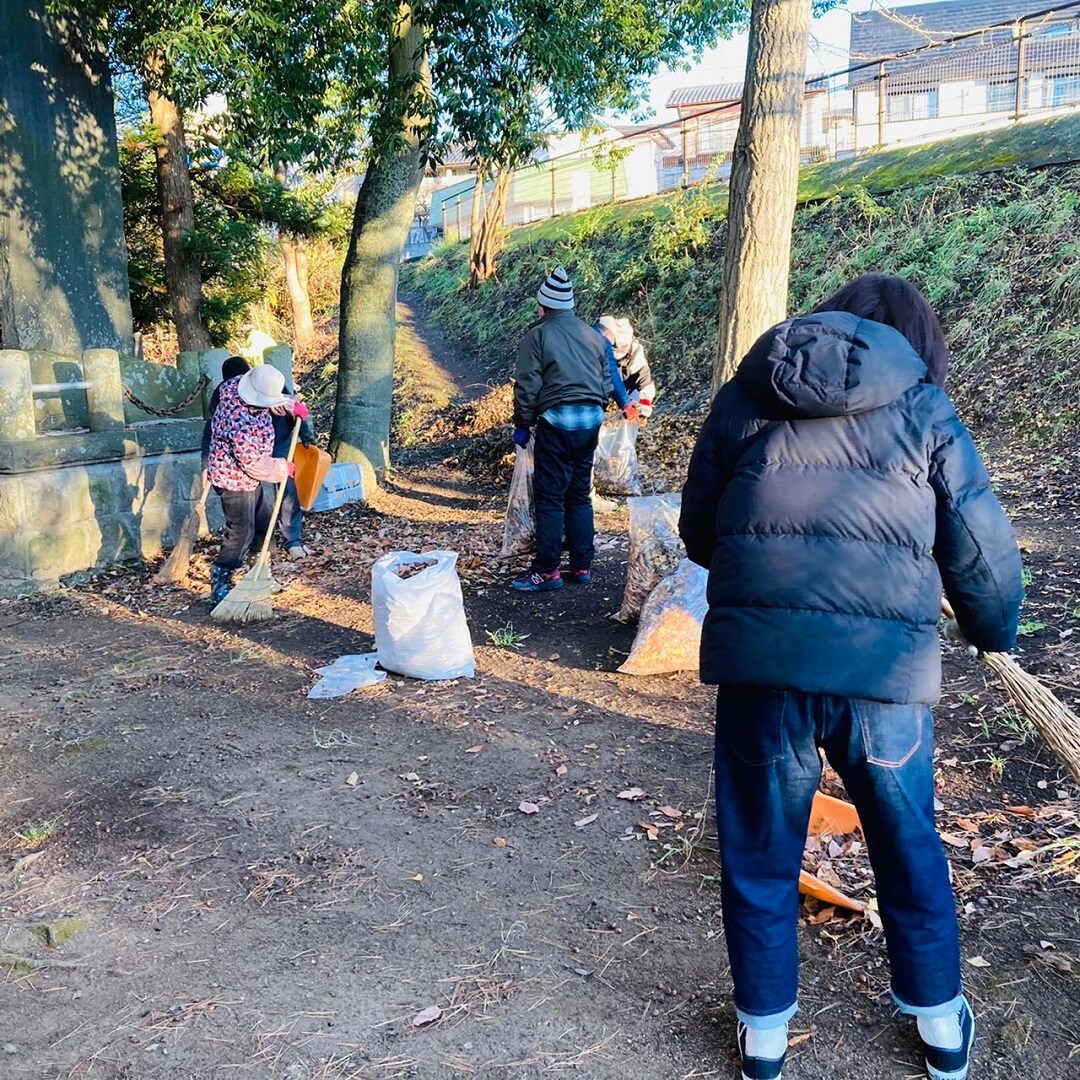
(246, 911)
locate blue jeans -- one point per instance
(562, 484)
(767, 769)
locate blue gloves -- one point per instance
(521, 436)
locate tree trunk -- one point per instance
(488, 237)
(296, 281)
(384, 211)
(183, 276)
(764, 181)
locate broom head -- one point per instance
(175, 567)
(249, 601)
(1058, 725)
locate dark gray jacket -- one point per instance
(831, 493)
(561, 361)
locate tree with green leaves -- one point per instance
(184, 54)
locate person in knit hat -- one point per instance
(562, 383)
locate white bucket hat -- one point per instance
(263, 387)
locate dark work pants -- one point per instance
(247, 515)
(562, 479)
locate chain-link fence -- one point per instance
(978, 80)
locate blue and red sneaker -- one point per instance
(533, 582)
(581, 577)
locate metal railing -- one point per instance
(978, 80)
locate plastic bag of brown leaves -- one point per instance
(655, 548)
(615, 465)
(519, 533)
(669, 636)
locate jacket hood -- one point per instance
(830, 364)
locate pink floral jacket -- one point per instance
(242, 444)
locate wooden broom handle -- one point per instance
(947, 608)
(265, 553)
(203, 496)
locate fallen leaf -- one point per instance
(499, 841)
(590, 746)
(409, 776)
(871, 912)
(474, 749)
(630, 793)
(824, 915)
(982, 854)
(670, 811)
(352, 779)
(582, 822)
(799, 1037)
(1022, 811)
(561, 770)
(978, 961)
(427, 1016)
(417, 877)
(528, 808)
(953, 841)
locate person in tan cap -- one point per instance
(241, 460)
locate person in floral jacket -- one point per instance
(241, 465)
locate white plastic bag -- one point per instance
(615, 464)
(669, 635)
(655, 548)
(519, 534)
(420, 627)
(346, 674)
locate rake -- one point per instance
(249, 601)
(1058, 725)
(175, 567)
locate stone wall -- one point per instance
(58, 522)
(63, 261)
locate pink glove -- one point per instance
(300, 411)
(291, 466)
(630, 412)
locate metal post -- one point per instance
(553, 209)
(855, 120)
(881, 105)
(457, 213)
(685, 159)
(1021, 72)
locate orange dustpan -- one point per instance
(312, 465)
(829, 815)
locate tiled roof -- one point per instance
(885, 33)
(713, 94)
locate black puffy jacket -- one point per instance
(831, 493)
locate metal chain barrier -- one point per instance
(164, 414)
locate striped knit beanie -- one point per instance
(557, 292)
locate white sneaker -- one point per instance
(297, 552)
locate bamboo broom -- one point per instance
(175, 567)
(249, 601)
(1058, 725)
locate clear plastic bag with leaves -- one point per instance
(655, 548)
(615, 463)
(669, 634)
(519, 533)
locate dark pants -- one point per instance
(562, 479)
(292, 516)
(767, 770)
(247, 515)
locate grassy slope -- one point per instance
(996, 251)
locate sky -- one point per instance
(727, 63)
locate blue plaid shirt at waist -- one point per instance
(574, 417)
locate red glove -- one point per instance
(291, 466)
(300, 411)
(630, 412)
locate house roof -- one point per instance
(886, 32)
(883, 33)
(713, 94)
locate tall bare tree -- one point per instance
(764, 181)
